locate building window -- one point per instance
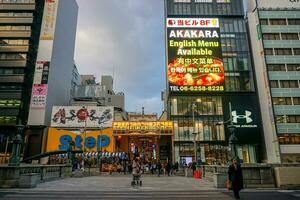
(280, 119)
(182, 1)
(289, 138)
(289, 36)
(296, 51)
(13, 56)
(271, 36)
(264, 21)
(293, 119)
(283, 52)
(293, 67)
(294, 21)
(282, 100)
(277, 21)
(296, 100)
(276, 67)
(269, 52)
(289, 84)
(274, 84)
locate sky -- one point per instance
(124, 38)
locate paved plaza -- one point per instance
(118, 187)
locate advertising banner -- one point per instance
(42, 66)
(195, 62)
(245, 117)
(97, 140)
(39, 94)
(80, 116)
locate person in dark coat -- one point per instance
(168, 168)
(235, 176)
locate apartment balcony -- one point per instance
(12, 79)
(13, 20)
(14, 48)
(15, 34)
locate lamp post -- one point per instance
(233, 140)
(17, 141)
(195, 144)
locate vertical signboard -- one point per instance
(42, 67)
(195, 62)
(245, 117)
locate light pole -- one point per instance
(195, 144)
(17, 141)
(233, 140)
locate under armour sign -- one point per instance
(247, 117)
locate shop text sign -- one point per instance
(95, 140)
(194, 55)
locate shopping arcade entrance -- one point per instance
(148, 140)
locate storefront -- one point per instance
(148, 140)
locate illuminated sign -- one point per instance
(91, 140)
(194, 55)
(165, 127)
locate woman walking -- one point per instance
(235, 178)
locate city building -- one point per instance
(88, 79)
(90, 93)
(76, 80)
(37, 53)
(274, 29)
(211, 94)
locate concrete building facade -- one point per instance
(274, 27)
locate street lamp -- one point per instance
(193, 106)
(233, 140)
(17, 141)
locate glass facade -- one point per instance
(19, 35)
(280, 31)
(201, 120)
(20, 22)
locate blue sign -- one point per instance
(90, 142)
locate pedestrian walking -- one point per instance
(158, 166)
(235, 178)
(168, 168)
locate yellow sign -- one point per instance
(157, 127)
(96, 140)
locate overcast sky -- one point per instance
(126, 35)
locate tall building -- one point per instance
(274, 30)
(208, 69)
(36, 62)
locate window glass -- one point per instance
(277, 21)
(269, 52)
(296, 51)
(289, 36)
(264, 21)
(274, 84)
(283, 51)
(271, 36)
(276, 67)
(294, 21)
(296, 100)
(293, 67)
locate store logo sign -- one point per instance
(246, 116)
